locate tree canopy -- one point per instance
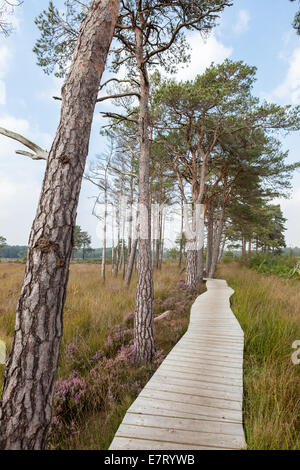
(6, 10)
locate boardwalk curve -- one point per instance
(194, 399)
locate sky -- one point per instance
(259, 32)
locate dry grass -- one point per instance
(269, 313)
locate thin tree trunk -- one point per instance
(162, 238)
(27, 396)
(131, 260)
(104, 229)
(243, 246)
(222, 249)
(200, 264)
(143, 319)
(117, 261)
(121, 255)
(153, 234)
(159, 237)
(123, 261)
(130, 215)
(112, 241)
(181, 237)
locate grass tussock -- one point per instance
(97, 376)
(269, 313)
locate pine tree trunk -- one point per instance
(217, 244)
(191, 269)
(117, 260)
(112, 241)
(130, 215)
(200, 265)
(27, 396)
(222, 249)
(130, 264)
(159, 237)
(210, 238)
(181, 237)
(124, 262)
(104, 232)
(162, 238)
(143, 319)
(243, 246)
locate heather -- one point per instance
(97, 377)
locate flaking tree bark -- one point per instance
(143, 318)
(26, 402)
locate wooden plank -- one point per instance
(177, 393)
(233, 342)
(188, 359)
(213, 349)
(203, 389)
(125, 443)
(208, 355)
(212, 370)
(215, 427)
(208, 382)
(207, 412)
(215, 346)
(194, 399)
(214, 376)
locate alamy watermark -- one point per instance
(296, 354)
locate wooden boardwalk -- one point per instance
(194, 399)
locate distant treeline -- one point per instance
(14, 251)
(292, 251)
(19, 251)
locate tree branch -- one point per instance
(118, 95)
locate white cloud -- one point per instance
(5, 57)
(289, 90)
(290, 209)
(243, 21)
(203, 53)
(20, 180)
(18, 202)
(23, 127)
(53, 90)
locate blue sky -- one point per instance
(258, 32)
